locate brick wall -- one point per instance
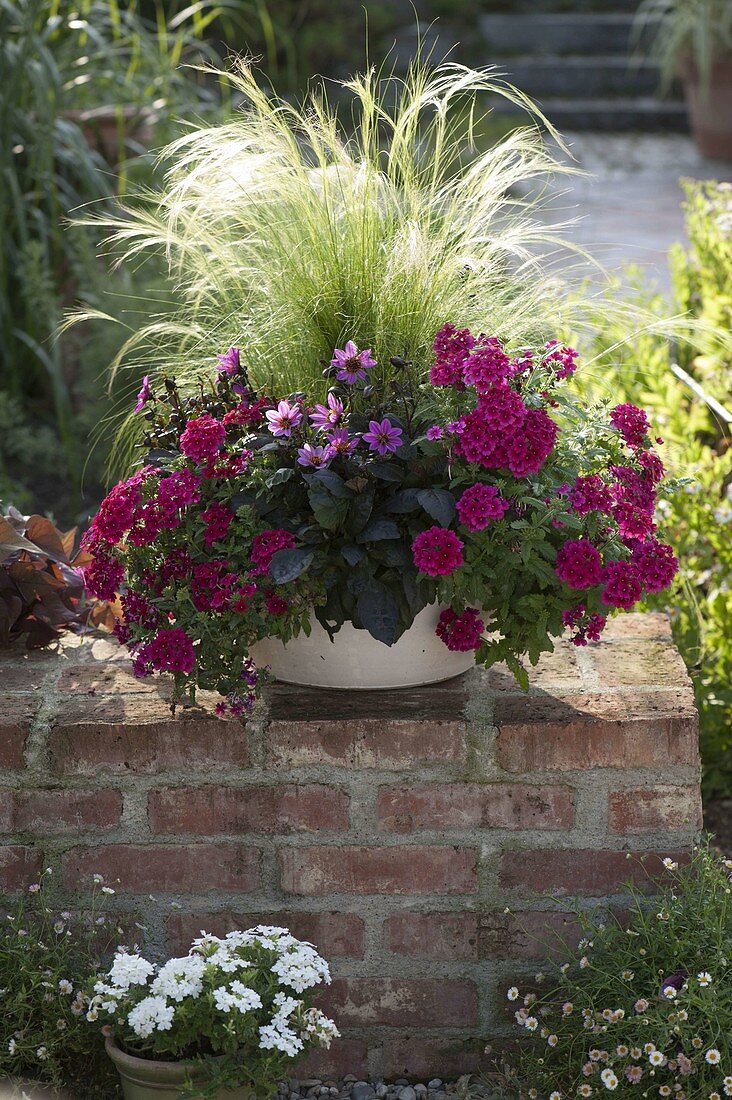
(394, 830)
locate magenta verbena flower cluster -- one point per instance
(482, 484)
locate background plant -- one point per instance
(46, 956)
(674, 29)
(644, 1004)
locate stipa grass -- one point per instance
(288, 237)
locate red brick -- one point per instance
(16, 715)
(474, 806)
(389, 744)
(585, 872)
(472, 936)
(344, 1056)
(191, 868)
(58, 811)
(136, 734)
(665, 807)
(399, 1002)
(360, 870)
(336, 935)
(19, 866)
(541, 733)
(282, 809)
(414, 1056)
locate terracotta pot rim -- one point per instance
(173, 1071)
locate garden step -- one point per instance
(640, 113)
(565, 33)
(643, 114)
(580, 77)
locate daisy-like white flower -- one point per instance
(552, 1040)
(727, 1086)
(621, 1050)
(555, 1096)
(351, 363)
(567, 1008)
(714, 1096)
(65, 986)
(627, 975)
(664, 1091)
(640, 1005)
(532, 1023)
(584, 1090)
(656, 1058)
(713, 1057)
(697, 1043)
(704, 979)
(670, 864)
(512, 993)
(636, 1052)
(634, 1074)
(609, 1079)
(584, 962)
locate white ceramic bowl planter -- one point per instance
(355, 661)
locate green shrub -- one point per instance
(643, 1007)
(684, 384)
(46, 957)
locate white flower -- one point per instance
(555, 1096)
(65, 986)
(670, 865)
(42, 1054)
(12, 1046)
(585, 1090)
(301, 967)
(584, 962)
(280, 1037)
(152, 1013)
(531, 1023)
(704, 979)
(728, 1086)
(713, 1057)
(179, 978)
(130, 970)
(609, 1079)
(107, 890)
(34, 888)
(552, 1041)
(315, 1023)
(656, 1058)
(512, 993)
(670, 993)
(97, 879)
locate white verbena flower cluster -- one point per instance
(250, 982)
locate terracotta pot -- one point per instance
(710, 107)
(355, 661)
(144, 1079)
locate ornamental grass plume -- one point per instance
(287, 236)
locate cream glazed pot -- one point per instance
(354, 661)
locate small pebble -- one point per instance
(420, 1089)
(362, 1090)
(381, 1091)
(407, 1093)
(435, 1083)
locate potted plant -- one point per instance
(386, 477)
(693, 39)
(222, 1022)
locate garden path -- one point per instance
(629, 202)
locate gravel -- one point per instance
(351, 1087)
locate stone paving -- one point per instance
(629, 200)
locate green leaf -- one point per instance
(279, 476)
(439, 504)
(286, 565)
(379, 529)
(387, 471)
(335, 485)
(404, 501)
(353, 554)
(377, 609)
(329, 512)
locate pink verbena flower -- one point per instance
(579, 564)
(203, 438)
(656, 564)
(502, 409)
(590, 494)
(211, 584)
(352, 364)
(283, 419)
(487, 365)
(587, 627)
(530, 445)
(245, 414)
(633, 522)
(651, 464)
(242, 596)
(170, 651)
(175, 567)
(117, 511)
(460, 633)
(383, 437)
(437, 552)
(633, 488)
(563, 359)
(178, 490)
(451, 347)
(328, 416)
(138, 609)
(631, 422)
(479, 504)
(218, 519)
(622, 584)
(275, 604)
(266, 544)
(103, 576)
(479, 442)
